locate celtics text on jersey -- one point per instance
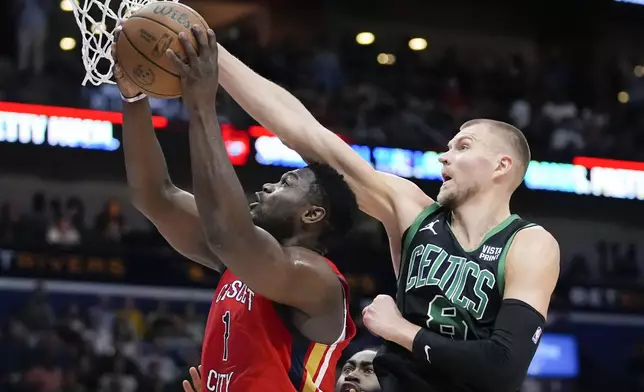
(446, 288)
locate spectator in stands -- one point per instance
(194, 323)
(637, 368)
(158, 360)
(75, 210)
(37, 314)
(567, 136)
(132, 317)
(33, 225)
(7, 223)
(110, 223)
(71, 383)
(118, 379)
(46, 372)
(32, 27)
(62, 232)
(101, 316)
(14, 358)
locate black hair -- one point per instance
(332, 191)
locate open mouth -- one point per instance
(446, 177)
(349, 387)
(256, 202)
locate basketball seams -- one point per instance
(162, 24)
(144, 53)
(145, 90)
(146, 57)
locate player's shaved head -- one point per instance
(511, 137)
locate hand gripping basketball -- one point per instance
(129, 90)
(200, 75)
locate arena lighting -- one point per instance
(417, 44)
(66, 6)
(638, 71)
(386, 59)
(623, 97)
(584, 176)
(67, 43)
(365, 38)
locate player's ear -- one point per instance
(503, 166)
(313, 214)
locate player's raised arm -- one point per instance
(278, 110)
(290, 276)
(500, 362)
(172, 210)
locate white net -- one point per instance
(97, 20)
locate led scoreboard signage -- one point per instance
(93, 130)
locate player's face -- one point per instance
(468, 165)
(358, 375)
(280, 206)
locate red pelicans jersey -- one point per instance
(250, 346)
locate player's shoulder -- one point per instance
(535, 242)
(306, 257)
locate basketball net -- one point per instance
(97, 21)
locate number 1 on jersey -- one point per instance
(226, 319)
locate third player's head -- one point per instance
(312, 206)
(357, 374)
(485, 156)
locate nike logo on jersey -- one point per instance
(427, 351)
(430, 227)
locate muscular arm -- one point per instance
(172, 210)
(392, 200)
(290, 276)
(499, 363)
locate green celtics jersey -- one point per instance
(453, 291)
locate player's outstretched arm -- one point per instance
(500, 363)
(283, 114)
(172, 210)
(290, 277)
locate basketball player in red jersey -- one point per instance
(278, 320)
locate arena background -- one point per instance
(92, 299)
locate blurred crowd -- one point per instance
(55, 222)
(418, 101)
(112, 346)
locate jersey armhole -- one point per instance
(345, 305)
(502, 259)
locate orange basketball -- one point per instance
(144, 40)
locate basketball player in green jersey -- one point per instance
(474, 281)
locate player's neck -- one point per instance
(304, 240)
(472, 220)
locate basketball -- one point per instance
(143, 42)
